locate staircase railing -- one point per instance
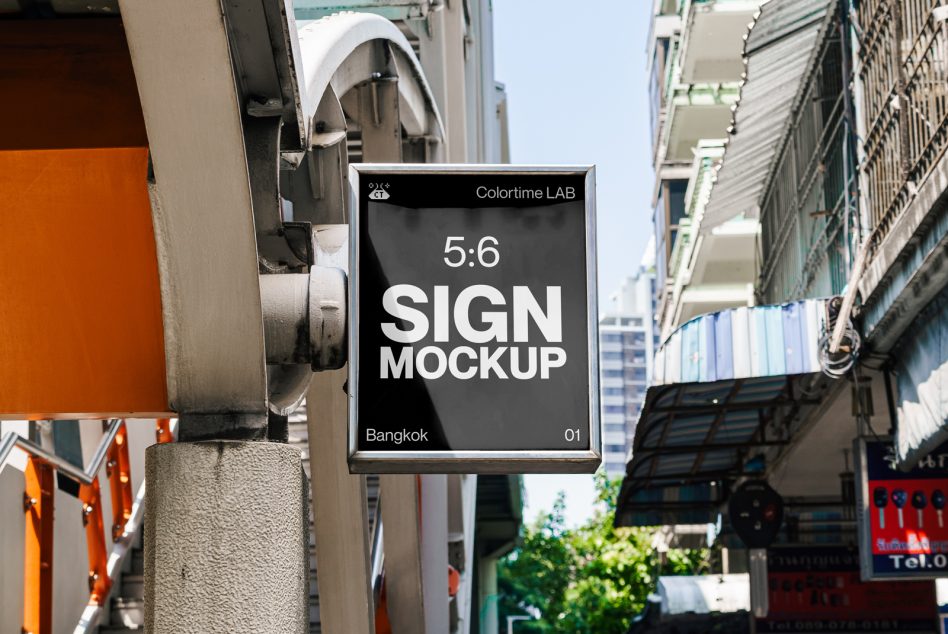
(38, 501)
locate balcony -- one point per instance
(696, 112)
(703, 79)
(713, 270)
(391, 9)
(713, 42)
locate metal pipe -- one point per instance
(377, 554)
(103, 449)
(7, 443)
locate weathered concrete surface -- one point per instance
(226, 539)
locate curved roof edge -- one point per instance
(325, 44)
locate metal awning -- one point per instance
(777, 53)
(921, 372)
(723, 383)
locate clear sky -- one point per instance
(575, 77)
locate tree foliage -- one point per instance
(591, 579)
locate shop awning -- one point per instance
(723, 383)
(778, 52)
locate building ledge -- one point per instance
(909, 266)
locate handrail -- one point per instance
(84, 476)
(112, 452)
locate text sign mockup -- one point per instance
(473, 335)
(903, 531)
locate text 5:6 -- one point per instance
(486, 254)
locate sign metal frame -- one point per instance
(486, 461)
(864, 509)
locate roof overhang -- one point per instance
(779, 53)
(499, 513)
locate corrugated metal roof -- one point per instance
(778, 52)
(719, 379)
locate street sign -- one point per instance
(816, 588)
(472, 338)
(903, 532)
(756, 513)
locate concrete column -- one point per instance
(346, 602)
(226, 539)
(434, 552)
(414, 516)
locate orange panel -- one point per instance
(80, 307)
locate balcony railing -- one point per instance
(903, 72)
(38, 506)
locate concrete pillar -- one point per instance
(346, 602)
(226, 539)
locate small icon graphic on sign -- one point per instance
(379, 193)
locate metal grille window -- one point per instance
(806, 212)
(903, 72)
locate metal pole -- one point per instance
(512, 619)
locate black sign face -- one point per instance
(472, 294)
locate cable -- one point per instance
(837, 365)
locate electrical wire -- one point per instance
(837, 365)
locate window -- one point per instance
(669, 210)
(613, 391)
(635, 338)
(615, 448)
(612, 337)
(613, 409)
(612, 356)
(636, 358)
(612, 374)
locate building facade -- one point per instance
(626, 347)
(835, 147)
(695, 66)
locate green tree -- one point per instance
(587, 580)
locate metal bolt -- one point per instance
(29, 502)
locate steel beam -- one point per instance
(203, 216)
